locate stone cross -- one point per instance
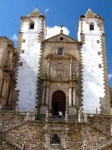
(66, 116)
(34, 114)
(80, 115)
(96, 111)
(47, 116)
(85, 117)
(17, 108)
(61, 26)
(27, 116)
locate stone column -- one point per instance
(47, 95)
(4, 87)
(43, 95)
(67, 103)
(70, 96)
(48, 68)
(111, 111)
(111, 131)
(74, 96)
(71, 68)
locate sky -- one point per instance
(57, 12)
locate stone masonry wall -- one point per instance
(93, 133)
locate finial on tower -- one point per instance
(61, 26)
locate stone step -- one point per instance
(11, 143)
(104, 144)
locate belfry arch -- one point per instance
(59, 102)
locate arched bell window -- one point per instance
(31, 26)
(91, 26)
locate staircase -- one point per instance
(10, 144)
(103, 145)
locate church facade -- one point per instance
(64, 74)
(43, 78)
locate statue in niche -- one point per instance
(59, 77)
(55, 139)
(73, 75)
(45, 75)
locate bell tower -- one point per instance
(95, 92)
(32, 33)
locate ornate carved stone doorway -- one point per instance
(58, 102)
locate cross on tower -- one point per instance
(61, 26)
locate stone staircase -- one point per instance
(57, 119)
(12, 144)
(9, 145)
(104, 144)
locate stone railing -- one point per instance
(13, 127)
(9, 121)
(103, 145)
(11, 143)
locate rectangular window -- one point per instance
(21, 63)
(97, 41)
(22, 51)
(32, 26)
(99, 53)
(60, 51)
(100, 66)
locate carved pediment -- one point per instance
(61, 38)
(54, 55)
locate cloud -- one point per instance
(47, 9)
(110, 75)
(15, 38)
(51, 31)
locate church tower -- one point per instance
(32, 33)
(95, 92)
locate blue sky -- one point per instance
(57, 12)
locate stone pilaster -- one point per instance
(70, 96)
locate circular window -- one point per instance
(61, 38)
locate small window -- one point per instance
(22, 51)
(21, 63)
(100, 66)
(60, 51)
(91, 26)
(99, 53)
(32, 25)
(23, 40)
(97, 41)
(61, 38)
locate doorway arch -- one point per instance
(58, 102)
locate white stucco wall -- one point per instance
(28, 72)
(92, 75)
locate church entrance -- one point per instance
(58, 102)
